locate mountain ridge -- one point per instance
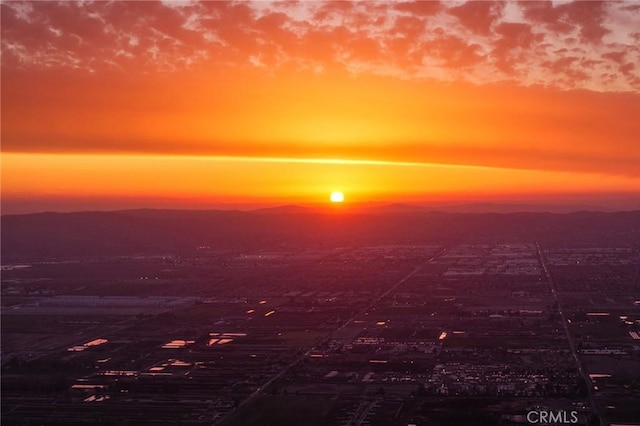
(127, 232)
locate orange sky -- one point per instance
(231, 104)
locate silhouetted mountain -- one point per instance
(517, 208)
(63, 235)
(292, 208)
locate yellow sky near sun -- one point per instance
(263, 180)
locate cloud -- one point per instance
(513, 46)
(424, 8)
(587, 17)
(453, 51)
(395, 38)
(478, 16)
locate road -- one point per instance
(572, 346)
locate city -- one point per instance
(447, 332)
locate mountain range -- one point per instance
(41, 236)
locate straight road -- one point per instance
(572, 346)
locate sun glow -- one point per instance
(337, 197)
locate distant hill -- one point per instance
(66, 235)
(518, 208)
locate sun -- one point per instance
(337, 197)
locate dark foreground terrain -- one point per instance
(295, 317)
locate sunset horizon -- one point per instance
(273, 103)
